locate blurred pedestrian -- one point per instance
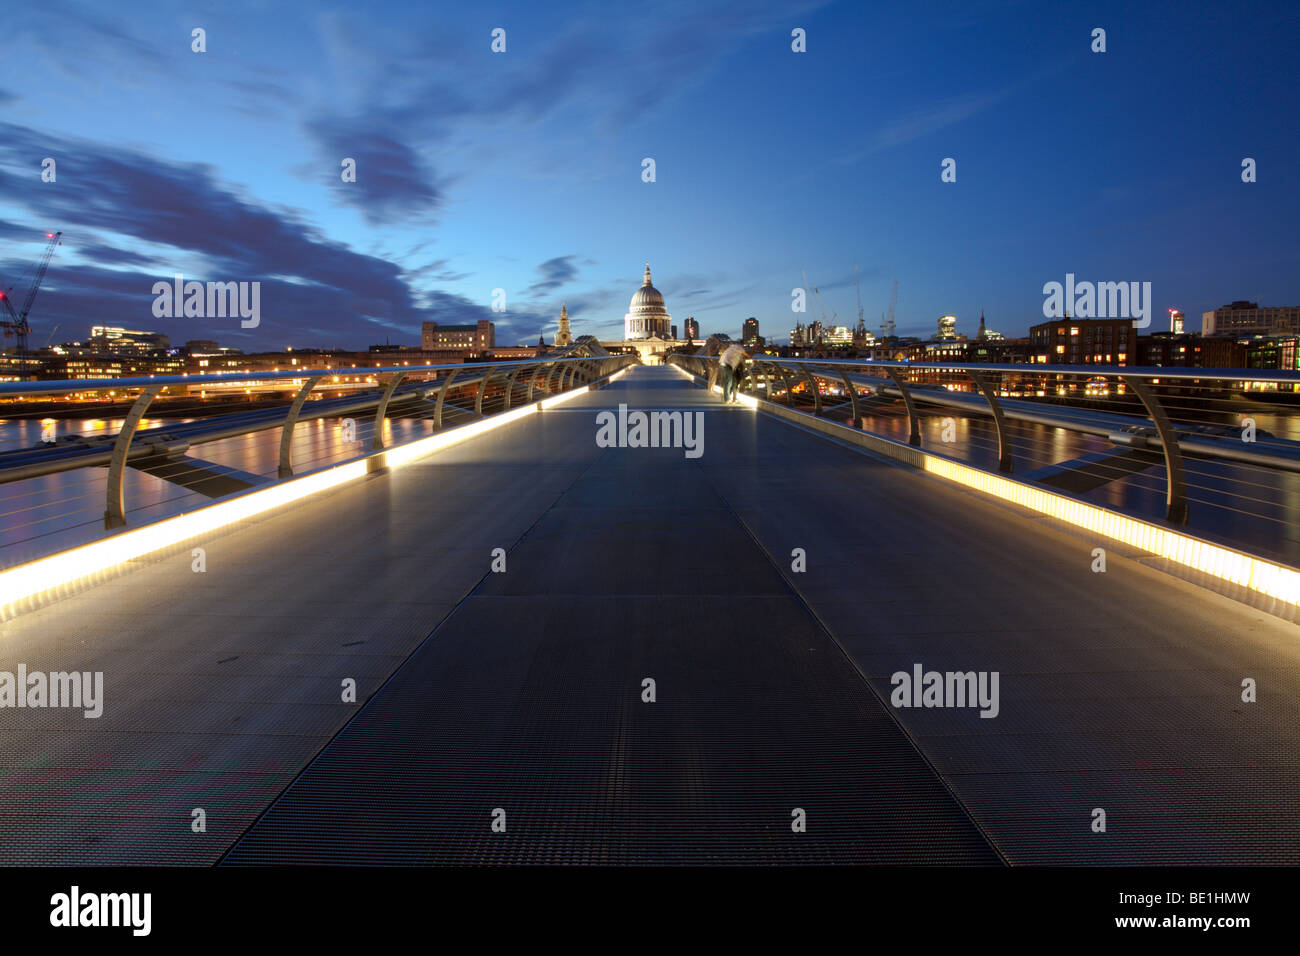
(731, 366)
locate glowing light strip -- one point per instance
(1256, 574)
(99, 558)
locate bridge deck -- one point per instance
(523, 690)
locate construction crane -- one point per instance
(16, 324)
(887, 327)
(857, 284)
(817, 292)
(859, 331)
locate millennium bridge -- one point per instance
(875, 612)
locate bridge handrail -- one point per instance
(1279, 376)
(55, 387)
(1148, 428)
(162, 451)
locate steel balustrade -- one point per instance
(1158, 434)
(115, 510)
(392, 386)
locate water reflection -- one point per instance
(39, 516)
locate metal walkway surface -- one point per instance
(528, 701)
(518, 696)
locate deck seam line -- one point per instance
(396, 670)
(979, 828)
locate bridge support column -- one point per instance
(1005, 461)
(760, 371)
(913, 420)
(550, 373)
(789, 386)
(482, 388)
(853, 397)
(532, 382)
(115, 510)
(510, 384)
(377, 442)
(285, 469)
(442, 397)
(774, 373)
(1175, 486)
(817, 394)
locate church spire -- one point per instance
(647, 273)
(562, 336)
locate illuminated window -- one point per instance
(1060, 350)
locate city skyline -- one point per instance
(649, 439)
(523, 170)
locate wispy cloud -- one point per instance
(554, 274)
(118, 202)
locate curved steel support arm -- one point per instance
(286, 432)
(377, 442)
(817, 393)
(510, 383)
(1175, 486)
(532, 382)
(789, 386)
(913, 420)
(442, 397)
(115, 510)
(760, 371)
(853, 397)
(482, 388)
(1005, 461)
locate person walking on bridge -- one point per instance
(711, 349)
(729, 366)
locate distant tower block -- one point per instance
(562, 337)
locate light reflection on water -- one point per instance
(1258, 509)
(42, 515)
(39, 516)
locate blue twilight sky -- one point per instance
(523, 170)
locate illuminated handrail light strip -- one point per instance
(1255, 574)
(77, 565)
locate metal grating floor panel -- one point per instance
(528, 698)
